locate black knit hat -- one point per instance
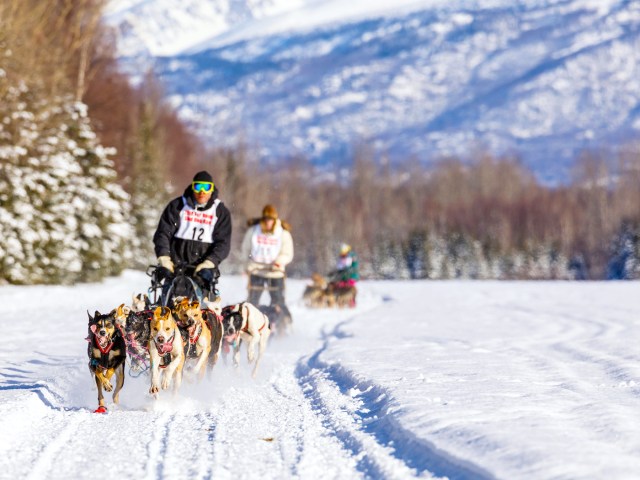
(203, 176)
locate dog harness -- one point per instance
(104, 352)
(192, 342)
(246, 328)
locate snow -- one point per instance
(423, 379)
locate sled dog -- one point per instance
(280, 319)
(314, 293)
(107, 355)
(137, 330)
(244, 322)
(343, 295)
(140, 302)
(165, 351)
(203, 337)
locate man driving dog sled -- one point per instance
(195, 229)
(268, 246)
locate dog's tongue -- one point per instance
(230, 338)
(165, 348)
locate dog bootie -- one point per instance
(100, 410)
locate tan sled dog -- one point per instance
(198, 341)
(166, 351)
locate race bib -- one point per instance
(197, 225)
(265, 248)
(344, 262)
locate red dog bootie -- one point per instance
(100, 410)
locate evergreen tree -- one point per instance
(624, 262)
(62, 217)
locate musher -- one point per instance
(268, 248)
(195, 229)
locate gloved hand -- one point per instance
(166, 262)
(276, 267)
(205, 264)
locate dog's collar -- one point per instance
(106, 349)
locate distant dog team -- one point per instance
(322, 294)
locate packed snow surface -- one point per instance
(452, 379)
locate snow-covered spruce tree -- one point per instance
(437, 259)
(62, 217)
(417, 255)
(390, 260)
(103, 214)
(624, 260)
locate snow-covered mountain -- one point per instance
(542, 78)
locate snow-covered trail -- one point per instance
(467, 380)
(229, 426)
(526, 379)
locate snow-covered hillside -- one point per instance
(466, 380)
(544, 78)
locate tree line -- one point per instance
(485, 218)
(88, 161)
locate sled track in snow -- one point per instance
(48, 457)
(367, 427)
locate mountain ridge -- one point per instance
(542, 80)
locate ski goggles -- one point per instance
(202, 187)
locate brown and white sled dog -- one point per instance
(244, 322)
(140, 302)
(212, 312)
(204, 335)
(107, 355)
(165, 351)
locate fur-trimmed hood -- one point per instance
(285, 225)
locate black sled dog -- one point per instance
(107, 355)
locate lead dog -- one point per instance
(244, 322)
(165, 351)
(107, 355)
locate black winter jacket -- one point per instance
(192, 251)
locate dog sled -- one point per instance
(324, 294)
(166, 286)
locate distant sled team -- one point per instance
(340, 289)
